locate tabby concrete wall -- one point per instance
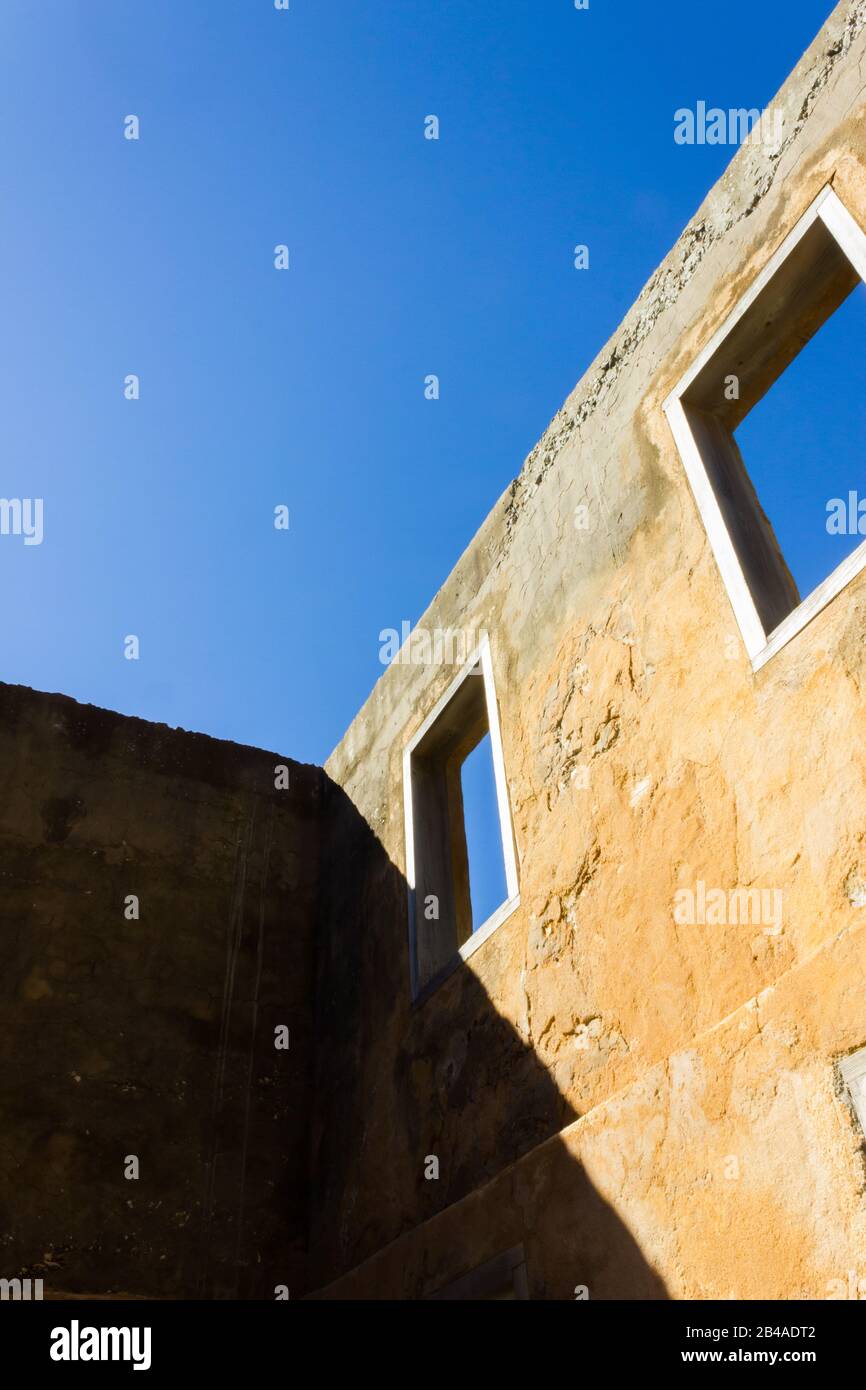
(691, 1070)
(152, 1037)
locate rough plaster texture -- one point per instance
(650, 1109)
(669, 1056)
(152, 1037)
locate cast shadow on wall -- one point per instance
(396, 1085)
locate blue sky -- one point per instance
(487, 882)
(803, 446)
(306, 387)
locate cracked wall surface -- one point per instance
(651, 1109)
(594, 1054)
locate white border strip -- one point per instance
(481, 655)
(760, 644)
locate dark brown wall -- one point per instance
(396, 1083)
(153, 1037)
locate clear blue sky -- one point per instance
(804, 445)
(305, 387)
(487, 882)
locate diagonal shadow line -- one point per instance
(452, 1078)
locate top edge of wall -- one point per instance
(800, 93)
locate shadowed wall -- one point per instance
(153, 1037)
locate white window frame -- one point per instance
(481, 655)
(761, 644)
(853, 1073)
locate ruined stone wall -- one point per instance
(152, 1037)
(704, 1148)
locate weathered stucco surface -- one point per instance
(650, 1109)
(152, 1037)
(704, 1149)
